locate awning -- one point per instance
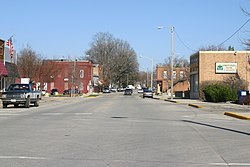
(3, 70)
(12, 70)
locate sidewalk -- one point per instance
(229, 109)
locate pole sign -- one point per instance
(226, 68)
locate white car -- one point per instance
(43, 92)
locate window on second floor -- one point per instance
(81, 73)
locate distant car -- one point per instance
(113, 90)
(120, 89)
(140, 91)
(147, 93)
(71, 91)
(66, 92)
(106, 90)
(43, 92)
(128, 91)
(54, 92)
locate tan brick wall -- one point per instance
(208, 59)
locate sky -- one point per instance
(65, 28)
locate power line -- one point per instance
(235, 32)
(183, 42)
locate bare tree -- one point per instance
(117, 57)
(246, 41)
(47, 70)
(213, 48)
(31, 65)
(28, 63)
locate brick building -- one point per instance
(8, 69)
(216, 65)
(180, 76)
(80, 75)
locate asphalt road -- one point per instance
(120, 131)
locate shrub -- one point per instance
(205, 84)
(231, 84)
(219, 93)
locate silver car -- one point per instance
(147, 93)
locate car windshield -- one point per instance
(147, 90)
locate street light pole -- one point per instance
(152, 68)
(172, 59)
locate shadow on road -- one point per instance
(217, 127)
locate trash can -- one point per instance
(242, 96)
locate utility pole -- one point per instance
(172, 62)
(172, 58)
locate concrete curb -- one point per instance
(173, 101)
(194, 105)
(235, 115)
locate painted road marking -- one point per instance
(230, 164)
(22, 157)
(7, 114)
(55, 114)
(48, 114)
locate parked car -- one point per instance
(113, 90)
(66, 92)
(128, 91)
(54, 92)
(106, 90)
(71, 91)
(140, 91)
(147, 93)
(43, 92)
(121, 89)
(21, 94)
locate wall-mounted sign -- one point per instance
(222, 68)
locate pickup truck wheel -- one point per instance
(36, 103)
(27, 103)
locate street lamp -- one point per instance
(152, 66)
(172, 58)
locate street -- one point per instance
(120, 131)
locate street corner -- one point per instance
(195, 105)
(244, 116)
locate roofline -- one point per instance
(225, 51)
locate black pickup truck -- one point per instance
(21, 94)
